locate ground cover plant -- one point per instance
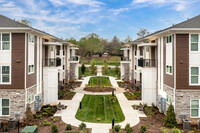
(100, 109)
(133, 96)
(99, 81)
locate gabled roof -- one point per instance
(6, 22)
(190, 24)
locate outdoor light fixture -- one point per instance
(17, 117)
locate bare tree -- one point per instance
(142, 32)
(128, 39)
(25, 21)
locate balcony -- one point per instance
(74, 58)
(52, 62)
(125, 59)
(57, 52)
(147, 62)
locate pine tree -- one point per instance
(28, 118)
(105, 67)
(170, 118)
(83, 68)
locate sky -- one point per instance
(78, 18)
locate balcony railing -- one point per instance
(147, 62)
(52, 62)
(74, 58)
(125, 59)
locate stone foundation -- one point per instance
(72, 71)
(32, 90)
(182, 105)
(17, 101)
(126, 71)
(170, 92)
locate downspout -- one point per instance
(25, 70)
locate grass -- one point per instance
(99, 81)
(112, 61)
(87, 72)
(111, 72)
(100, 109)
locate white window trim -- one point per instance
(166, 55)
(1, 107)
(191, 109)
(191, 42)
(32, 43)
(191, 75)
(5, 83)
(1, 42)
(32, 100)
(167, 97)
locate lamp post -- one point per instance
(17, 116)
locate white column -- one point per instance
(38, 63)
(125, 53)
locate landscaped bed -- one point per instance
(44, 119)
(64, 95)
(99, 81)
(133, 96)
(100, 109)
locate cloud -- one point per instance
(178, 5)
(118, 11)
(92, 3)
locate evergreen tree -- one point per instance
(170, 118)
(117, 71)
(83, 69)
(105, 67)
(28, 118)
(93, 68)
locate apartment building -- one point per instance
(33, 64)
(166, 65)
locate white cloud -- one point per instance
(92, 3)
(118, 11)
(8, 4)
(178, 5)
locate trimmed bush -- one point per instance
(176, 130)
(68, 127)
(83, 69)
(143, 129)
(170, 118)
(54, 128)
(117, 128)
(128, 128)
(82, 126)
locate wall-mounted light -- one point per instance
(18, 61)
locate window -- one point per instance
(168, 54)
(51, 48)
(4, 74)
(31, 98)
(169, 99)
(31, 68)
(194, 75)
(194, 108)
(4, 41)
(4, 106)
(194, 42)
(31, 54)
(147, 49)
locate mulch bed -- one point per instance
(50, 119)
(75, 84)
(66, 95)
(99, 89)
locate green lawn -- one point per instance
(112, 61)
(111, 72)
(100, 109)
(99, 81)
(87, 72)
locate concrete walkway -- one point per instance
(68, 115)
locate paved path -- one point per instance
(68, 115)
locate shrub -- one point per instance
(46, 123)
(38, 116)
(176, 130)
(93, 67)
(29, 117)
(128, 129)
(143, 129)
(44, 113)
(61, 94)
(54, 128)
(117, 128)
(68, 127)
(105, 67)
(170, 118)
(83, 69)
(5, 128)
(164, 130)
(82, 126)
